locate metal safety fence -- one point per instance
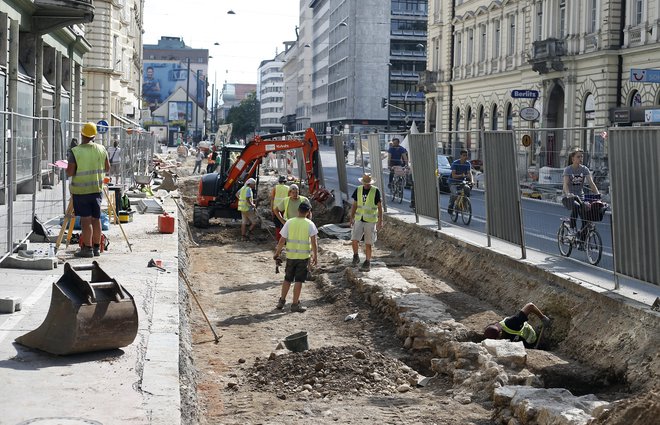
(33, 181)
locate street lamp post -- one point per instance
(187, 96)
(389, 76)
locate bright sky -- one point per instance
(254, 33)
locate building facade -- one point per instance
(168, 66)
(113, 68)
(270, 88)
(350, 55)
(42, 45)
(572, 61)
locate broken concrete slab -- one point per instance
(506, 352)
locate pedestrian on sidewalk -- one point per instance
(247, 207)
(199, 157)
(279, 193)
(88, 164)
(366, 219)
(517, 328)
(299, 236)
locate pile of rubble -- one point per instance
(330, 372)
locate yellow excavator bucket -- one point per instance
(85, 316)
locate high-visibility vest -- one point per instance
(243, 204)
(298, 243)
(526, 332)
(367, 210)
(90, 168)
(286, 207)
(281, 192)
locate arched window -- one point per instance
(588, 121)
(468, 127)
(635, 99)
(494, 117)
(509, 116)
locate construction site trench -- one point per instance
(401, 343)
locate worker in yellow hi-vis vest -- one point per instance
(299, 235)
(87, 165)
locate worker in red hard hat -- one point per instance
(517, 327)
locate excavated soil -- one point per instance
(356, 371)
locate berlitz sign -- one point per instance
(525, 94)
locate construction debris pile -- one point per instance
(329, 372)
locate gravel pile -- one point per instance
(332, 371)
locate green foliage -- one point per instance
(244, 117)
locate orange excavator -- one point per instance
(217, 191)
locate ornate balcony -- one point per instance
(546, 55)
(54, 14)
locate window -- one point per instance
(482, 43)
(562, 18)
(638, 11)
(459, 49)
(593, 16)
(470, 46)
(496, 39)
(509, 117)
(512, 35)
(539, 22)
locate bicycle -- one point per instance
(398, 182)
(462, 204)
(588, 239)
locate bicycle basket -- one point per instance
(596, 211)
(399, 171)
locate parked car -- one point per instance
(444, 172)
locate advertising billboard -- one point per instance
(179, 111)
(162, 78)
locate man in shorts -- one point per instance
(299, 235)
(87, 165)
(247, 207)
(366, 219)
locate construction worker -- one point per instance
(277, 195)
(87, 165)
(247, 207)
(299, 235)
(288, 207)
(516, 328)
(366, 218)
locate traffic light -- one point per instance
(383, 102)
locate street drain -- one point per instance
(59, 421)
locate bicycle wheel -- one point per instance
(563, 240)
(453, 214)
(593, 246)
(466, 211)
(399, 190)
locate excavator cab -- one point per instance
(85, 315)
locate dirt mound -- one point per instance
(330, 371)
(643, 409)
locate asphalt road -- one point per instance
(541, 219)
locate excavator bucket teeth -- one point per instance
(85, 316)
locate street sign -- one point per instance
(621, 116)
(529, 114)
(102, 127)
(526, 140)
(652, 115)
(645, 75)
(525, 94)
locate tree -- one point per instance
(245, 116)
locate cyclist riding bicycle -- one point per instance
(575, 175)
(397, 155)
(461, 170)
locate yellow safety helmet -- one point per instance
(89, 130)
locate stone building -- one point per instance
(113, 67)
(42, 44)
(573, 61)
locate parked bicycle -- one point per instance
(398, 182)
(588, 239)
(462, 204)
